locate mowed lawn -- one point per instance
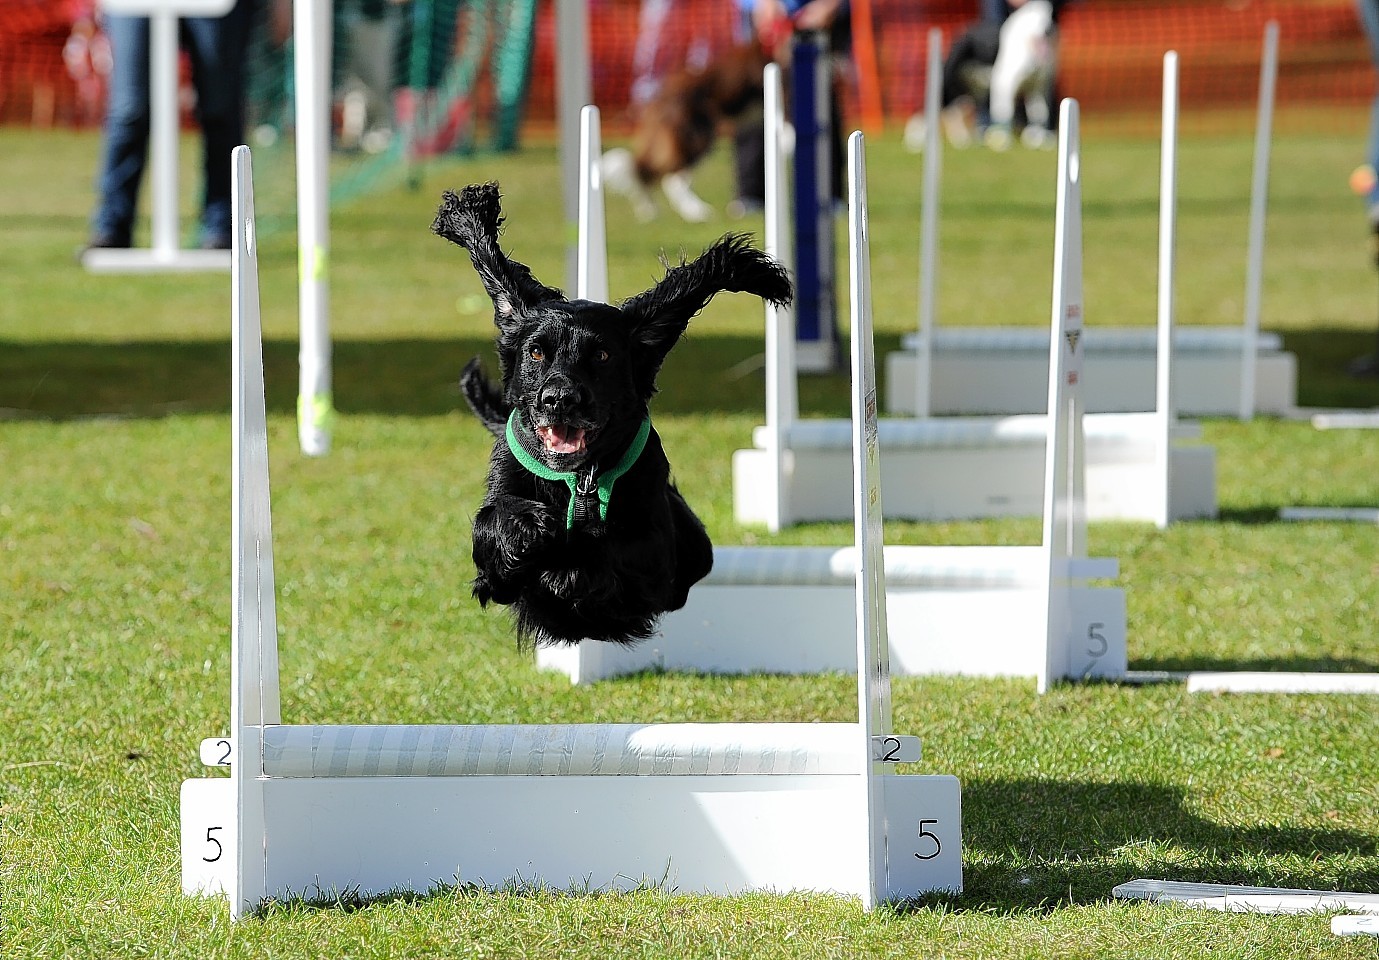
(114, 567)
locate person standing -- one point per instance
(216, 46)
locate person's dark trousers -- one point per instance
(216, 48)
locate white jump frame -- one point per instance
(934, 371)
(989, 611)
(717, 808)
(1139, 466)
(165, 253)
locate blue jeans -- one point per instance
(216, 47)
(1369, 19)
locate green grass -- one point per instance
(114, 526)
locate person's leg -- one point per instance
(217, 48)
(124, 151)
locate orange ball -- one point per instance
(1362, 180)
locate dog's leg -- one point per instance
(620, 176)
(510, 537)
(683, 199)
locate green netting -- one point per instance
(409, 81)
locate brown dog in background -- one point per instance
(679, 125)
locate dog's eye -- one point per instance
(537, 354)
(600, 356)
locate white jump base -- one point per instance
(321, 811)
(1005, 370)
(970, 610)
(975, 468)
(153, 260)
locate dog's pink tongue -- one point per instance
(561, 438)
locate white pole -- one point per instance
(311, 26)
(591, 276)
(928, 243)
(574, 89)
(1062, 457)
(163, 112)
(1259, 198)
(782, 400)
(1165, 415)
(873, 649)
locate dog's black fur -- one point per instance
(580, 376)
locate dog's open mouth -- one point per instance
(561, 438)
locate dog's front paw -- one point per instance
(510, 539)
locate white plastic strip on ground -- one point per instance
(1269, 682)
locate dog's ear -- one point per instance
(659, 316)
(471, 220)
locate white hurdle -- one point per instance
(969, 467)
(988, 611)
(1225, 371)
(315, 811)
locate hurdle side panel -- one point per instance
(695, 834)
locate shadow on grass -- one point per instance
(139, 379)
(1259, 665)
(1036, 845)
(418, 377)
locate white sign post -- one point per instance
(166, 253)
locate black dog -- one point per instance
(581, 529)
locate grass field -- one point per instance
(114, 550)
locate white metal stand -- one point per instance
(166, 254)
(720, 808)
(1139, 466)
(1219, 371)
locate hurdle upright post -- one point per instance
(782, 385)
(311, 24)
(1165, 416)
(928, 233)
(574, 89)
(1063, 472)
(254, 696)
(1259, 199)
(591, 273)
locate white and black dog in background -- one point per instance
(678, 126)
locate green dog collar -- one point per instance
(571, 478)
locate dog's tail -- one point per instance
(484, 398)
(471, 219)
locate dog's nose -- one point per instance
(558, 397)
